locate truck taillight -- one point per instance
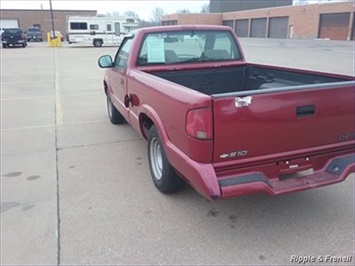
(199, 123)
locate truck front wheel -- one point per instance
(164, 176)
(113, 114)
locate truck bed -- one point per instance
(249, 77)
(272, 112)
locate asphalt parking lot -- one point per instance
(76, 189)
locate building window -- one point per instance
(109, 27)
(94, 27)
(169, 22)
(78, 25)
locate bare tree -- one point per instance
(113, 14)
(156, 15)
(205, 8)
(144, 23)
(132, 14)
(183, 11)
(141, 22)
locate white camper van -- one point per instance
(98, 30)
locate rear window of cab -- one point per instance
(188, 47)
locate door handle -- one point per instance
(131, 99)
(304, 111)
(127, 101)
(121, 81)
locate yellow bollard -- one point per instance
(54, 42)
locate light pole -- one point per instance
(50, 7)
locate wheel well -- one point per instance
(105, 87)
(146, 123)
(98, 39)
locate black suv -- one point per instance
(34, 34)
(13, 37)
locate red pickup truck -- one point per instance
(225, 126)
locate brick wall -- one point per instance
(303, 20)
(205, 19)
(27, 18)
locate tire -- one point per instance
(23, 45)
(113, 114)
(4, 46)
(163, 174)
(97, 43)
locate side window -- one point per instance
(122, 54)
(78, 26)
(94, 27)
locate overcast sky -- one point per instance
(143, 8)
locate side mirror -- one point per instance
(105, 61)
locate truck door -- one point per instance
(109, 36)
(118, 78)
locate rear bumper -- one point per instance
(337, 170)
(327, 169)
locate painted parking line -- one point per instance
(58, 102)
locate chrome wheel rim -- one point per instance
(156, 159)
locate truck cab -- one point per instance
(13, 37)
(34, 34)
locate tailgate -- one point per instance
(252, 125)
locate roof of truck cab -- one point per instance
(182, 27)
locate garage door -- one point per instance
(8, 23)
(278, 27)
(258, 28)
(334, 26)
(242, 27)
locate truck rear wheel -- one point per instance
(97, 43)
(114, 115)
(164, 176)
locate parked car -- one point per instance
(13, 37)
(34, 34)
(226, 126)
